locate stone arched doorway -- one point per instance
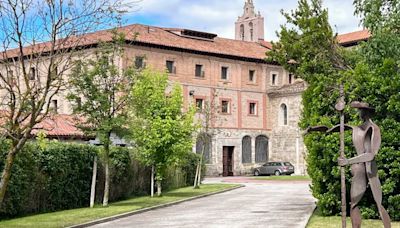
(246, 149)
(261, 149)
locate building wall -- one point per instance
(286, 140)
(229, 129)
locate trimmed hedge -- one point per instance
(57, 176)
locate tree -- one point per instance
(38, 41)
(309, 49)
(101, 93)
(206, 115)
(370, 73)
(377, 81)
(160, 129)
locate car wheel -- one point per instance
(277, 173)
(256, 173)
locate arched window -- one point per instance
(204, 142)
(284, 114)
(261, 149)
(242, 32)
(246, 149)
(251, 31)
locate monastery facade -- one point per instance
(254, 105)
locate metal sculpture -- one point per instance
(367, 141)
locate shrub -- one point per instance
(54, 176)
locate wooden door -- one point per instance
(227, 161)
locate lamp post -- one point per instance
(340, 107)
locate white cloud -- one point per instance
(219, 16)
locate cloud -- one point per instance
(219, 16)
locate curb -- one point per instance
(308, 215)
(115, 217)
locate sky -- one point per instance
(219, 16)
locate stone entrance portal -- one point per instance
(227, 160)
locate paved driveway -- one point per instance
(258, 204)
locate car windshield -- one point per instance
(287, 164)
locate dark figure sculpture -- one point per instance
(367, 141)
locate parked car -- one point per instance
(274, 168)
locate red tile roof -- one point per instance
(166, 37)
(59, 125)
(173, 38)
(56, 126)
(353, 37)
(170, 37)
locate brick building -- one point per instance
(255, 105)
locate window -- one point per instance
(79, 102)
(54, 72)
(170, 67)
(246, 149)
(199, 71)
(290, 78)
(139, 62)
(242, 32)
(32, 73)
(225, 107)
(261, 149)
(274, 79)
(199, 104)
(252, 108)
(224, 73)
(284, 114)
(251, 31)
(252, 75)
(10, 78)
(54, 106)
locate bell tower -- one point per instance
(249, 26)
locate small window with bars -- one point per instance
(54, 106)
(32, 73)
(274, 79)
(199, 72)
(290, 78)
(171, 68)
(225, 107)
(139, 62)
(252, 75)
(199, 104)
(224, 73)
(252, 108)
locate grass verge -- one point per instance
(317, 221)
(284, 178)
(82, 215)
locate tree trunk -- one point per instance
(152, 181)
(6, 174)
(197, 178)
(197, 173)
(158, 188)
(93, 188)
(107, 174)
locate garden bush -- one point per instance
(54, 176)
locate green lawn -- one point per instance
(318, 221)
(82, 215)
(288, 178)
